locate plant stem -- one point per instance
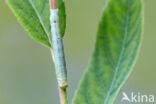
(63, 95)
(58, 52)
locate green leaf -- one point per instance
(117, 45)
(34, 17)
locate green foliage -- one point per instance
(34, 17)
(117, 45)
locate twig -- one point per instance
(58, 52)
(63, 95)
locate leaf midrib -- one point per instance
(120, 56)
(40, 19)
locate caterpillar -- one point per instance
(57, 45)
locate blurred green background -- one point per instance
(27, 73)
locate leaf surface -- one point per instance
(117, 45)
(34, 16)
